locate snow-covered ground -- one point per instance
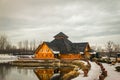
(96, 71)
(92, 75)
(112, 74)
(6, 58)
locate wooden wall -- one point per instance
(44, 52)
(70, 56)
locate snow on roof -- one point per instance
(92, 52)
(81, 52)
(56, 52)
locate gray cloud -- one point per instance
(42, 19)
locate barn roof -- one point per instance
(81, 46)
(61, 34)
(64, 46)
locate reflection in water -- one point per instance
(44, 74)
(65, 70)
(4, 70)
(50, 73)
(8, 72)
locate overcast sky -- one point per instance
(94, 21)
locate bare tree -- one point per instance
(99, 49)
(26, 46)
(110, 47)
(34, 44)
(31, 45)
(20, 45)
(3, 42)
(8, 47)
(14, 47)
(116, 48)
(93, 47)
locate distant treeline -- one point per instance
(17, 52)
(21, 47)
(26, 46)
(113, 54)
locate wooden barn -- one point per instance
(44, 52)
(61, 47)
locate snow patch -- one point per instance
(112, 74)
(93, 74)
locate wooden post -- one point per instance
(102, 68)
(104, 73)
(101, 77)
(85, 72)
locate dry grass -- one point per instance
(81, 65)
(70, 75)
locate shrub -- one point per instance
(79, 64)
(70, 75)
(118, 68)
(104, 60)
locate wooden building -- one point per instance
(44, 74)
(44, 52)
(63, 48)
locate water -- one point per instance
(8, 72)
(15, 73)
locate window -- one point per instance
(47, 50)
(41, 50)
